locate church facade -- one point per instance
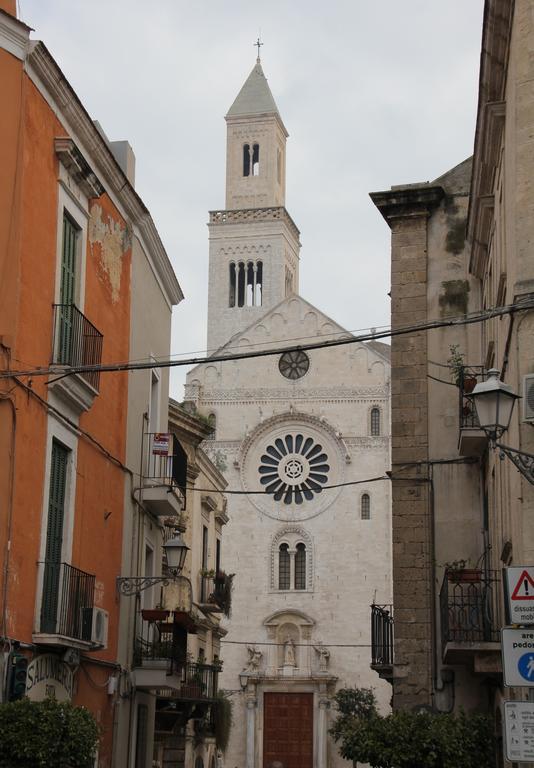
(303, 441)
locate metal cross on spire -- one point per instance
(258, 43)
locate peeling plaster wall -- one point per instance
(108, 242)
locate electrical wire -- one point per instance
(468, 319)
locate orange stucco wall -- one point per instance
(28, 277)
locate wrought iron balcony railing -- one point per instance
(469, 608)
(381, 637)
(165, 461)
(468, 377)
(216, 592)
(76, 342)
(68, 596)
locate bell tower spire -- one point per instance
(254, 243)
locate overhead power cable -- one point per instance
(469, 319)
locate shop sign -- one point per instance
(49, 677)
(160, 444)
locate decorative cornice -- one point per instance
(14, 35)
(407, 202)
(329, 394)
(78, 167)
(49, 78)
(254, 215)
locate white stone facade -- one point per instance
(307, 565)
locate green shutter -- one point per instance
(67, 287)
(54, 536)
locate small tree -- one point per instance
(40, 734)
(410, 739)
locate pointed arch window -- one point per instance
(256, 160)
(365, 507)
(300, 566)
(283, 567)
(246, 160)
(375, 422)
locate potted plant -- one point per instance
(154, 614)
(208, 573)
(458, 573)
(460, 373)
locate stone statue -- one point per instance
(324, 656)
(289, 653)
(254, 660)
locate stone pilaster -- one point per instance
(406, 210)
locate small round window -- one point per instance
(293, 365)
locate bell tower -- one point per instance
(254, 243)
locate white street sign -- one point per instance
(519, 590)
(519, 730)
(517, 647)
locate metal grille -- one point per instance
(468, 602)
(73, 597)
(76, 342)
(381, 636)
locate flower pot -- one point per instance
(465, 575)
(469, 384)
(154, 614)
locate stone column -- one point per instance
(251, 703)
(322, 731)
(272, 652)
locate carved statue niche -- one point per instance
(323, 654)
(288, 638)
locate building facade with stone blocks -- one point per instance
(302, 439)
(460, 511)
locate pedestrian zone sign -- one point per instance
(519, 590)
(519, 730)
(517, 647)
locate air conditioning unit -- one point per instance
(95, 626)
(528, 397)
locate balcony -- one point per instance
(472, 440)
(67, 604)
(160, 657)
(77, 343)
(469, 624)
(164, 476)
(382, 640)
(216, 593)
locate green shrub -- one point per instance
(411, 739)
(41, 734)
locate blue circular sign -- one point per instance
(525, 665)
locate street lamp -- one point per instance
(494, 402)
(176, 550)
(243, 680)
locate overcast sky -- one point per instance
(372, 92)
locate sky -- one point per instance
(373, 93)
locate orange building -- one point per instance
(69, 222)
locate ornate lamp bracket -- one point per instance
(523, 461)
(133, 585)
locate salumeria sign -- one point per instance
(48, 676)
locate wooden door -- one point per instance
(288, 729)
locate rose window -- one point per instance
(293, 365)
(294, 468)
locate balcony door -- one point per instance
(67, 288)
(54, 537)
(288, 729)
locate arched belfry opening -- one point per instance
(256, 160)
(246, 160)
(245, 287)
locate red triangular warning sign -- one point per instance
(524, 589)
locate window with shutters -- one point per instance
(54, 536)
(67, 288)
